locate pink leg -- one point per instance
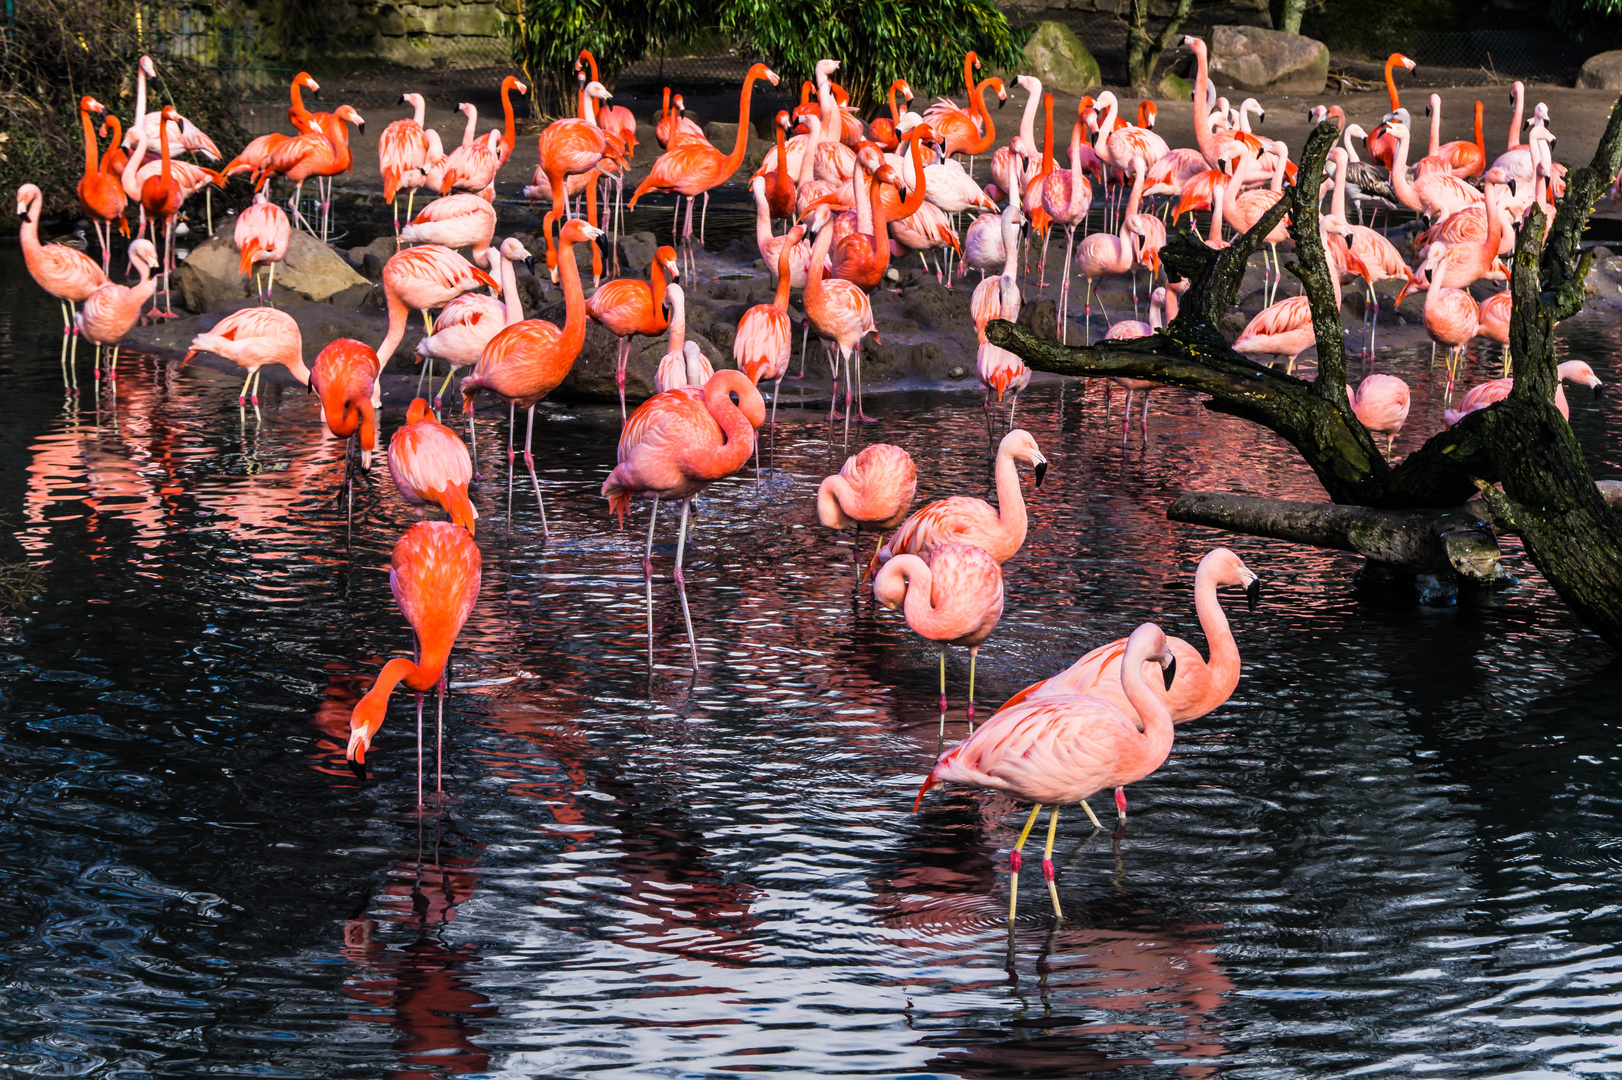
(529, 462)
(622, 358)
(1120, 805)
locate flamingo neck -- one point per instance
(990, 134)
(1481, 145)
(472, 123)
(1151, 710)
(678, 323)
(398, 314)
(1027, 122)
(1106, 128)
(574, 299)
(1137, 190)
(895, 114)
(726, 459)
(915, 197)
(507, 133)
(1436, 124)
(509, 292)
(1223, 666)
(741, 142)
(1047, 136)
(831, 496)
(664, 110)
(784, 186)
(89, 143)
(1219, 196)
(1519, 90)
(1203, 135)
(1337, 202)
(808, 160)
(660, 280)
(763, 214)
(1010, 499)
(879, 238)
(419, 113)
(785, 257)
(1391, 81)
(29, 233)
(1351, 151)
(1010, 239)
(819, 255)
(110, 158)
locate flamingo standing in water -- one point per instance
(527, 360)
(1484, 394)
(676, 444)
(1451, 315)
(629, 306)
(466, 324)
(252, 338)
(765, 339)
(873, 488)
(999, 298)
(66, 273)
(953, 595)
(418, 279)
(111, 311)
(431, 465)
(1381, 405)
(262, 235)
(434, 575)
(342, 378)
(1065, 749)
(999, 530)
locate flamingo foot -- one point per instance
(1013, 862)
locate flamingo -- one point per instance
(1437, 195)
(1495, 312)
(874, 488)
(159, 196)
(671, 370)
(467, 323)
(883, 129)
(431, 465)
(402, 155)
(616, 120)
(320, 152)
(1065, 749)
(472, 167)
(1106, 255)
(1381, 405)
(1286, 328)
(686, 366)
(839, 313)
(961, 131)
(1377, 254)
(418, 279)
(1462, 158)
(1162, 310)
(953, 595)
(999, 369)
(342, 377)
(183, 134)
(672, 123)
(252, 338)
(1245, 208)
(1380, 143)
(998, 530)
(261, 235)
(101, 195)
(765, 339)
(455, 221)
(693, 168)
(255, 157)
(434, 575)
(527, 360)
(1480, 396)
(676, 444)
(628, 307)
(1066, 197)
(69, 275)
(110, 312)
(1451, 315)
(571, 147)
(772, 247)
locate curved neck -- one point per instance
(968, 76)
(1481, 145)
(990, 134)
(133, 165)
(726, 459)
(664, 110)
(472, 123)
(1495, 224)
(1047, 135)
(781, 182)
(89, 142)
(507, 133)
(915, 197)
(1157, 724)
(1027, 122)
(741, 142)
(1106, 128)
(1137, 188)
(658, 279)
(29, 233)
(296, 94)
(785, 259)
(1203, 134)
(1351, 151)
(1391, 82)
(509, 292)
(140, 99)
(819, 256)
(111, 156)
(1519, 91)
(1010, 238)
(831, 494)
(895, 114)
(419, 112)
(678, 321)
(1010, 499)
(1337, 202)
(763, 215)
(808, 160)
(1224, 662)
(1400, 185)
(879, 238)
(1436, 123)
(574, 300)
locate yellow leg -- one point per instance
(428, 323)
(943, 692)
(271, 288)
(1092, 817)
(1013, 861)
(1047, 862)
(974, 652)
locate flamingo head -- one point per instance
(169, 113)
(826, 68)
(466, 108)
(1028, 83)
(1578, 372)
(1433, 104)
(142, 253)
(768, 74)
(1022, 448)
(28, 199)
(348, 114)
(414, 100)
(1356, 131)
(576, 231)
(906, 90)
(1317, 114)
(784, 120)
(973, 59)
(666, 257)
(90, 104)
(1405, 62)
(598, 91)
(516, 252)
(890, 583)
(1151, 639)
(147, 68)
(673, 299)
(306, 80)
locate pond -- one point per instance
(1394, 852)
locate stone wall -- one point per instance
(413, 33)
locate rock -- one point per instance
(1601, 72)
(1174, 87)
(1257, 60)
(637, 250)
(311, 270)
(1057, 56)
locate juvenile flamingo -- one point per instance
(431, 465)
(66, 273)
(527, 360)
(1065, 749)
(1480, 396)
(252, 338)
(953, 595)
(111, 311)
(261, 235)
(873, 488)
(675, 445)
(434, 575)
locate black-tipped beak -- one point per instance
(1001, 102)
(1041, 471)
(1599, 389)
(358, 768)
(1170, 672)
(403, 101)
(1253, 593)
(1510, 183)
(529, 264)
(362, 127)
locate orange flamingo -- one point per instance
(675, 445)
(255, 157)
(999, 530)
(629, 307)
(402, 154)
(1064, 749)
(568, 148)
(472, 167)
(252, 338)
(883, 129)
(672, 124)
(839, 313)
(614, 119)
(418, 279)
(160, 197)
(952, 595)
(434, 575)
(873, 488)
(261, 235)
(321, 152)
(1462, 158)
(431, 465)
(111, 311)
(66, 273)
(466, 324)
(692, 168)
(342, 377)
(100, 195)
(527, 360)
(960, 130)
(765, 338)
(1382, 147)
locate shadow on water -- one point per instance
(1394, 851)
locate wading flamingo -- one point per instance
(630, 307)
(430, 465)
(434, 575)
(765, 337)
(1451, 315)
(101, 195)
(252, 338)
(1381, 405)
(66, 273)
(418, 279)
(873, 488)
(111, 311)
(342, 378)
(1480, 396)
(1065, 749)
(466, 324)
(675, 445)
(839, 313)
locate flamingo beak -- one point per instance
(1169, 669)
(1041, 471)
(358, 768)
(1599, 389)
(529, 263)
(1253, 593)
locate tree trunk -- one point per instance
(1143, 52)
(1290, 23)
(1522, 442)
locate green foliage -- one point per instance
(877, 41)
(547, 36)
(1585, 18)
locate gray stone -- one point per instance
(1056, 55)
(1175, 87)
(637, 250)
(1268, 61)
(311, 270)
(1601, 72)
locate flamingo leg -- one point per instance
(512, 424)
(67, 332)
(1047, 862)
(974, 651)
(1064, 291)
(439, 745)
(439, 395)
(473, 448)
(943, 692)
(529, 462)
(681, 580)
(622, 357)
(860, 415)
(1092, 817)
(647, 574)
(419, 751)
(1014, 861)
(1120, 806)
(771, 460)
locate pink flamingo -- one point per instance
(873, 488)
(527, 360)
(675, 445)
(472, 167)
(110, 312)
(1451, 315)
(66, 273)
(998, 530)
(686, 366)
(466, 324)
(252, 338)
(1245, 208)
(403, 152)
(1285, 328)
(1104, 255)
(455, 221)
(765, 338)
(418, 279)
(1495, 312)
(431, 465)
(1437, 195)
(672, 368)
(839, 313)
(342, 378)
(998, 298)
(1381, 405)
(1162, 310)
(1066, 197)
(952, 595)
(1480, 396)
(1064, 749)
(1377, 254)
(261, 235)
(434, 575)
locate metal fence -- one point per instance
(1506, 52)
(220, 39)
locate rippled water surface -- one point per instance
(1394, 852)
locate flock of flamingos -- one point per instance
(855, 195)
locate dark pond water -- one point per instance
(1395, 852)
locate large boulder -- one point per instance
(1268, 61)
(209, 276)
(1601, 72)
(1056, 55)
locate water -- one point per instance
(1393, 853)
